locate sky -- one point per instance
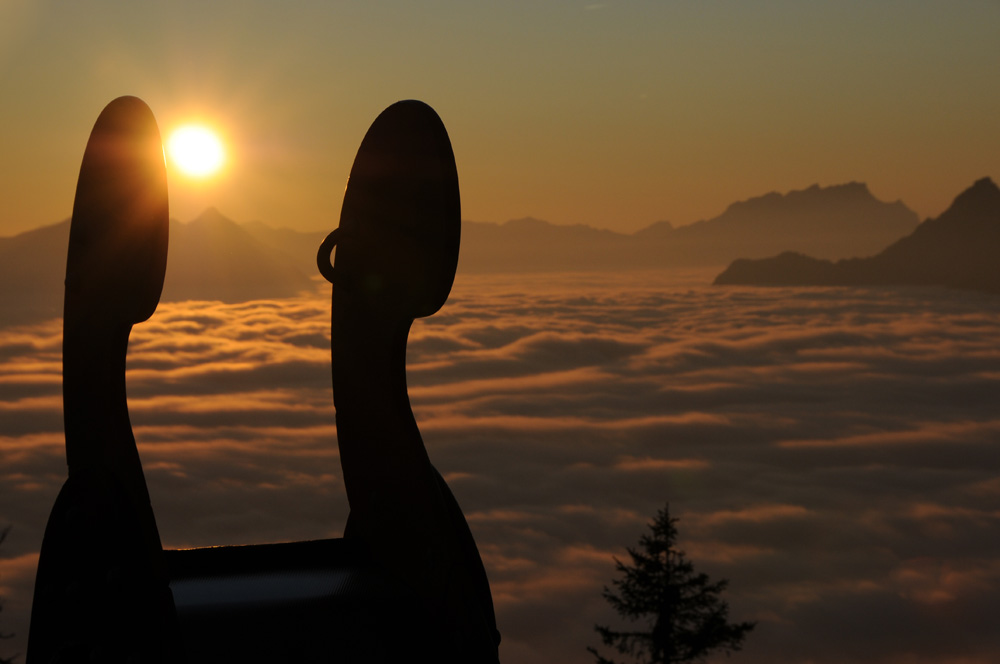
(830, 452)
(614, 114)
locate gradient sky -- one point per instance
(612, 114)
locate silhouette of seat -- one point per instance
(405, 581)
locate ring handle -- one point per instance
(325, 253)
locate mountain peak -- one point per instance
(848, 193)
(845, 191)
(982, 199)
(853, 188)
(211, 216)
(656, 229)
(985, 187)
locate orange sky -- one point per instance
(613, 114)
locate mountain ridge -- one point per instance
(210, 258)
(215, 258)
(958, 249)
(834, 221)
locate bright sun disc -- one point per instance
(196, 150)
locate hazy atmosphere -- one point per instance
(830, 447)
(614, 114)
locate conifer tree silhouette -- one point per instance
(684, 616)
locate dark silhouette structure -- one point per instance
(406, 582)
(396, 256)
(685, 618)
(100, 562)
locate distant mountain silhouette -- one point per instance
(214, 258)
(210, 258)
(832, 222)
(838, 221)
(959, 249)
(32, 272)
(532, 245)
(299, 247)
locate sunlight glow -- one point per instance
(196, 150)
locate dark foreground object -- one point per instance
(290, 603)
(396, 255)
(101, 590)
(406, 583)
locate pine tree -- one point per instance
(684, 617)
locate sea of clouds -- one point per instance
(834, 453)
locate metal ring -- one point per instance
(325, 253)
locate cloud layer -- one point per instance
(832, 452)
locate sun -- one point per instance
(196, 150)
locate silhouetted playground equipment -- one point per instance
(406, 582)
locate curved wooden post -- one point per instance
(101, 591)
(396, 255)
